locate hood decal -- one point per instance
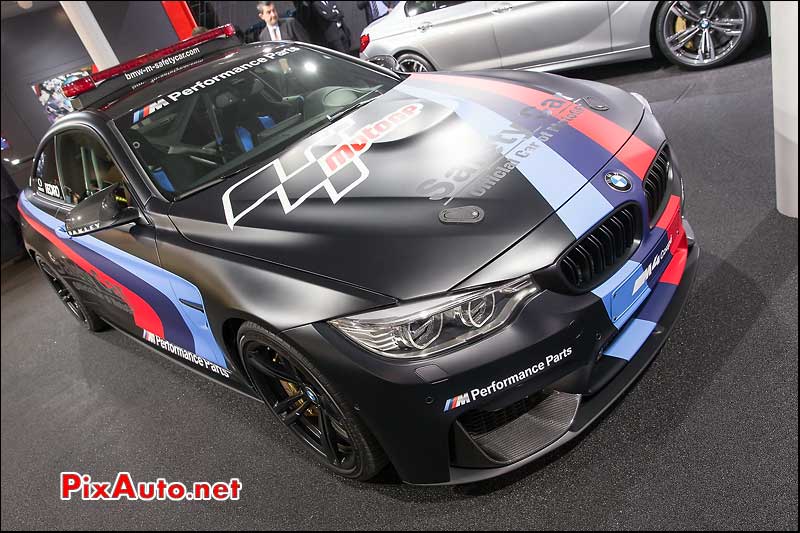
(600, 129)
(554, 178)
(352, 143)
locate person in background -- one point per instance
(375, 9)
(331, 21)
(278, 29)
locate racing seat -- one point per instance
(171, 172)
(245, 112)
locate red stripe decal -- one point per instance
(672, 223)
(674, 271)
(601, 130)
(672, 210)
(143, 315)
(637, 156)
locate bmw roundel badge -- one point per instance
(618, 182)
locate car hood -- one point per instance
(413, 192)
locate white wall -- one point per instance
(783, 19)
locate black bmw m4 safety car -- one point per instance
(454, 274)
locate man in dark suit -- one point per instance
(375, 9)
(331, 22)
(279, 29)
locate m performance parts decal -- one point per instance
(192, 357)
(350, 143)
(173, 97)
(513, 379)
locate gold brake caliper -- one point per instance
(680, 25)
(292, 390)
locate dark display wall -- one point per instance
(35, 46)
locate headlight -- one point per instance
(423, 328)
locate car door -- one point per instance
(99, 265)
(540, 32)
(452, 35)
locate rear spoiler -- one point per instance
(98, 86)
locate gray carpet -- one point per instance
(706, 439)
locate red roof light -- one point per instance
(364, 43)
(88, 83)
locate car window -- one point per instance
(84, 165)
(418, 8)
(243, 111)
(45, 174)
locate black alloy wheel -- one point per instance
(296, 395)
(70, 299)
(702, 35)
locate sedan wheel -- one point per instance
(414, 63)
(700, 35)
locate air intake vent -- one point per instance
(656, 184)
(523, 428)
(603, 250)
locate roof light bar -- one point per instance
(88, 83)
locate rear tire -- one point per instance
(410, 62)
(77, 309)
(309, 405)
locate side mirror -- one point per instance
(107, 208)
(386, 62)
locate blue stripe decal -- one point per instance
(584, 210)
(578, 150)
(630, 339)
(658, 301)
(605, 291)
(554, 178)
(181, 327)
(482, 120)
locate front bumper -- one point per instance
(562, 344)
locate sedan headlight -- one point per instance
(427, 327)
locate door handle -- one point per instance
(425, 26)
(501, 8)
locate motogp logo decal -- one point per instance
(349, 144)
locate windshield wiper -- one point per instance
(213, 181)
(355, 104)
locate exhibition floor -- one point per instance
(706, 439)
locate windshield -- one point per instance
(247, 111)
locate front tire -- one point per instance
(309, 405)
(77, 309)
(704, 35)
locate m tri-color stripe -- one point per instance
(139, 114)
(458, 401)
